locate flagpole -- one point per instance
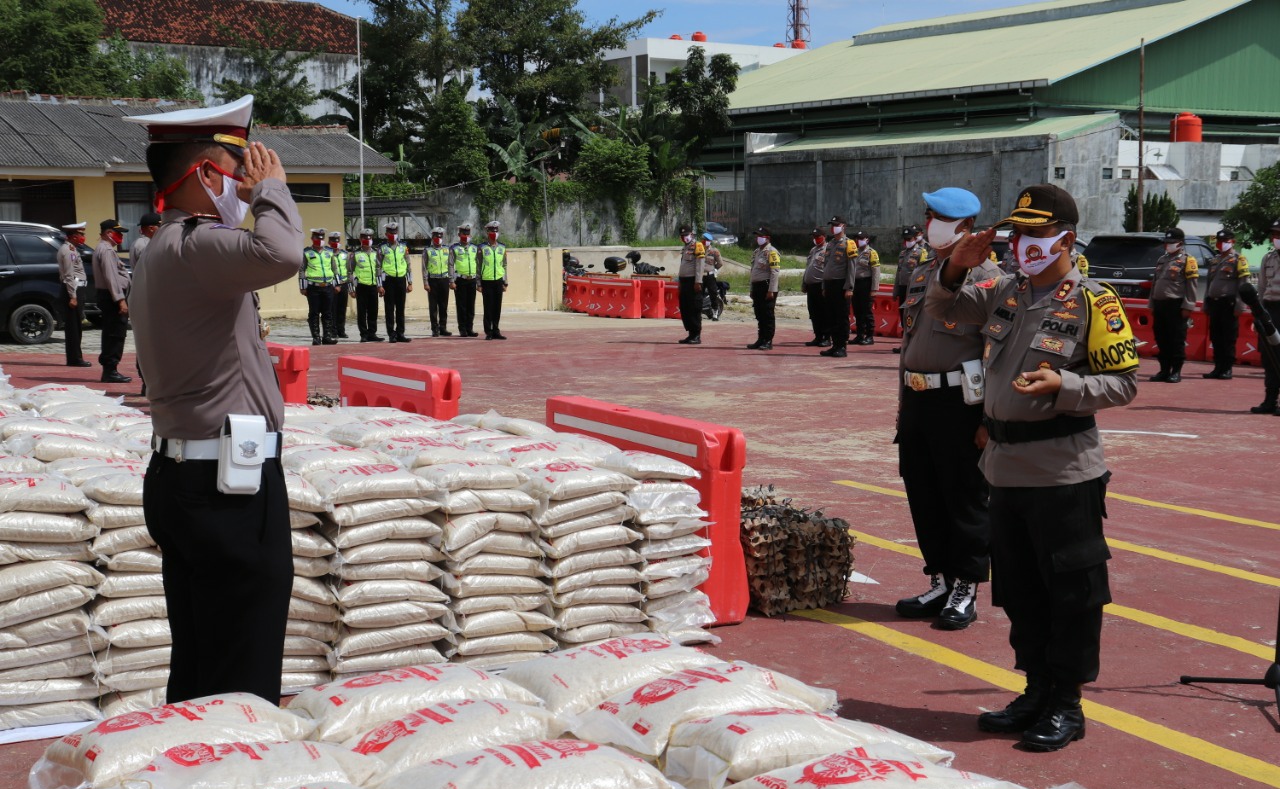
(360, 115)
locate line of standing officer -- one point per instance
(396, 278)
(463, 260)
(1222, 303)
(438, 273)
(837, 292)
(812, 284)
(71, 275)
(1172, 300)
(342, 263)
(493, 279)
(692, 257)
(766, 265)
(1269, 296)
(365, 276)
(112, 280)
(318, 280)
(864, 279)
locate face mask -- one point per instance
(1172, 248)
(909, 243)
(761, 241)
(463, 238)
(862, 242)
(942, 234)
(333, 244)
(228, 204)
(1224, 246)
(436, 241)
(1033, 253)
(116, 238)
(837, 230)
(819, 241)
(365, 242)
(391, 238)
(493, 238)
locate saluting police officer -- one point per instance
(463, 257)
(1057, 348)
(837, 291)
(318, 280)
(341, 263)
(1172, 300)
(396, 279)
(228, 567)
(940, 432)
(493, 280)
(690, 283)
(364, 272)
(1222, 303)
(864, 279)
(438, 273)
(766, 267)
(812, 284)
(112, 281)
(1269, 296)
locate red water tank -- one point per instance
(1186, 127)
(677, 37)
(798, 44)
(699, 36)
(780, 45)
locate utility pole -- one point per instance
(1142, 131)
(360, 115)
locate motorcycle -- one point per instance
(713, 299)
(570, 267)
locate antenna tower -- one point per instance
(797, 21)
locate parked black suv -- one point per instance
(30, 289)
(1128, 260)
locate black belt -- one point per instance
(1003, 432)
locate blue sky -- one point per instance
(755, 21)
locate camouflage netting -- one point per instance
(796, 558)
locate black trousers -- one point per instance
(817, 310)
(763, 306)
(438, 303)
(228, 573)
(1170, 330)
(710, 291)
(899, 294)
(320, 309)
(367, 310)
(862, 307)
(396, 289)
(464, 299)
(837, 311)
(115, 327)
(946, 491)
(1049, 574)
(1270, 353)
(491, 293)
(339, 311)
(690, 307)
(1224, 330)
(71, 319)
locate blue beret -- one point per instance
(953, 202)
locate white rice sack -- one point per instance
(54, 446)
(501, 445)
(305, 413)
(303, 496)
(396, 614)
(262, 765)
(117, 703)
(657, 550)
(106, 613)
(40, 493)
(446, 728)
(79, 477)
(366, 642)
(583, 615)
(518, 427)
(419, 655)
(20, 464)
(495, 623)
(314, 591)
(543, 452)
(294, 682)
(351, 595)
(671, 529)
(312, 612)
(469, 436)
(44, 691)
(599, 632)
(45, 527)
(45, 631)
(676, 567)
(365, 512)
(646, 465)
(128, 538)
(506, 642)
(347, 708)
(641, 719)
(301, 645)
(140, 633)
(392, 551)
(52, 652)
(312, 568)
(593, 560)
(303, 437)
(389, 571)
(312, 460)
(81, 665)
(82, 411)
(590, 540)
(307, 664)
(28, 578)
(417, 451)
(43, 604)
(496, 661)
(117, 661)
(362, 434)
(611, 516)
(711, 752)
(684, 623)
(14, 552)
(20, 717)
(32, 426)
(414, 528)
(548, 764)
(116, 516)
(473, 420)
(501, 543)
(458, 476)
(598, 595)
(464, 529)
(478, 585)
(320, 631)
(301, 520)
(676, 499)
(465, 501)
(497, 564)
(116, 585)
(309, 543)
(119, 488)
(501, 602)
(553, 512)
(677, 584)
(887, 766)
(372, 481)
(557, 481)
(604, 576)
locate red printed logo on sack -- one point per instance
(845, 769)
(377, 740)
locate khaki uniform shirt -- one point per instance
(928, 344)
(766, 266)
(195, 315)
(1226, 272)
(1085, 337)
(135, 251)
(1174, 280)
(70, 269)
(908, 259)
(836, 266)
(712, 262)
(814, 264)
(691, 259)
(1269, 277)
(865, 265)
(109, 272)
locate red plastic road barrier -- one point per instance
(671, 300)
(1247, 350)
(652, 303)
(888, 318)
(618, 298)
(575, 293)
(719, 455)
(1140, 319)
(291, 363)
(1198, 337)
(416, 388)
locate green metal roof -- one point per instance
(1062, 127)
(1025, 47)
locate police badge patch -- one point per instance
(249, 449)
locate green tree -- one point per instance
(541, 54)
(699, 92)
(274, 60)
(50, 46)
(148, 73)
(1158, 211)
(1257, 208)
(453, 147)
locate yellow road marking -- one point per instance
(1162, 736)
(1218, 516)
(1119, 545)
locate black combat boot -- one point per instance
(1268, 404)
(1023, 711)
(1161, 376)
(1175, 374)
(928, 603)
(961, 608)
(1061, 724)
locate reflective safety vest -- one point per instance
(319, 265)
(366, 270)
(493, 262)
(437, 261)
(395, 262)
(464, 259)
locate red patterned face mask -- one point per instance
(116, 238)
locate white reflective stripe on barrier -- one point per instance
(627, 434)
(389, 380)
(275, 359)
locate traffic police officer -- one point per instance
(940, 430)
(1056, 350)
(318, 281)
(837, 291)
(690, 283)
(438, 273)
(1222, 303)
(1269, 295)
(864, 279)
(766, 266)
(463, 259)
(364, 273)
(493, 280)
(111, 279)
(228, 569)
(71, 275)
(1172, 300)
(341, 263)
(812, 284)
(396, 279)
